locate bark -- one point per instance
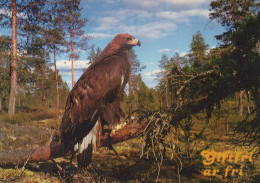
(13, 84)
(44, 153)
(56, 77)
(130, 91)
(42, 84)
(0, 103)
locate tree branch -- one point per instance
(12, 157)
(44, 153)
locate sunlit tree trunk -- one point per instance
(0, 104)
(56, 78)
(72, 58)
(130, 90)
(42, 84)
(11, 109)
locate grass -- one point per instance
(25, 117)
(34, 129)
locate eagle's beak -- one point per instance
(138, 43)
(135, 42)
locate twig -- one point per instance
(193, 78)
(16, 177)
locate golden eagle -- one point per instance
(96, 95)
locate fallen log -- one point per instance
(44, 153)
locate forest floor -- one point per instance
(127, 167)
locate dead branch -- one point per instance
(43, 153)
(204, 74)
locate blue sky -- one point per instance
(162, 26)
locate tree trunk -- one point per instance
(130, 91)
(72, 58)
(13, 69)
(42, 85)
(44, 153)
(166, 89)
(0, 103)
(56, 77)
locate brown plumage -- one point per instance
(97, 94)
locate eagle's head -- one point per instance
(126, 41)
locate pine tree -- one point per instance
(198, 51)
(134, 78)
(31, 15)
(163, 76)
(73, 25)
(240, 58)
(93, 54)
(5, 48)
(55, 38)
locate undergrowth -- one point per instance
(23, 117)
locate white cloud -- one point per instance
(164, 50)
(185, 2)
(8, 13)
(182, 16)
(151, 83)
(136, 15)
(80, 50)
(156, 71)
(150, 78)
(66, 64)
(101, 35)
(64, 67)
(159, 3)
(106, 23)
(153, 30)
(152, 74)
(181, 54)
(145, 23)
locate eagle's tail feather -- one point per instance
(85, 158)
(86, 147)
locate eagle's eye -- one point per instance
(129, 39)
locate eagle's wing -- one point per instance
(112, 113)
(99, 86)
